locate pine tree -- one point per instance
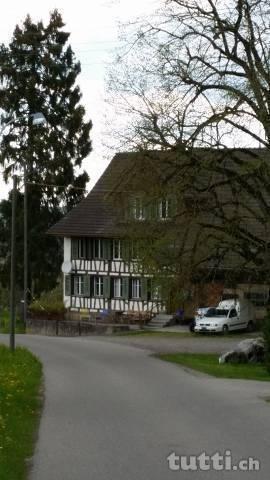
(38, 73)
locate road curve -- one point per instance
(112, 412)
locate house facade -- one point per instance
(101, 268)
(98, 278)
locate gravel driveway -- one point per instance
(168, 343)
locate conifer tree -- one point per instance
(38, 73)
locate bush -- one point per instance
(4, 298)
(266, 336)
(49, 303)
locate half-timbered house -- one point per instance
(99, 273)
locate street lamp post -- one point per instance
(37, 119)
(12, 267)
(25, 246)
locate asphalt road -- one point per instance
(112, 412)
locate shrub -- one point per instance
(49, 303)
(266, 336)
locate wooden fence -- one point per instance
(68, 328)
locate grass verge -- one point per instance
(208, 363)
(4, 323)
(20, 405)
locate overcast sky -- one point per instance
(94, 36)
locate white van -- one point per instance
(228, 315)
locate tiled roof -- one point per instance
(96, 215)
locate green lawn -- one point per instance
(4, 323)
(20, 406)
(208, 363)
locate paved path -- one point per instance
(112, 412)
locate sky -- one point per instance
(94, 28)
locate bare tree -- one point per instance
(200, 69)
(194, 80)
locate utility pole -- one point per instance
(37, 119)
(25, 247)
(12, 268)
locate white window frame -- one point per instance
(99, 244)
(118, 287)
(117, 250)
(164, 203)
(98, 286)
(79, 285)
(136, 288)
(138, 209)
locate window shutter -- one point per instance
(147, 209)
(89, 252)
(107, 287)
(144, 288)
(107, 249)
(74, 248)
(172, 207)
(67, 285)
(86, 290)
(154, 209)
(125, 287)
(129, 209)
(125, 250)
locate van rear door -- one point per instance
(234, 319)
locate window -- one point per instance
(118, 287)
(258, 298)
(164, 209)
(196, 203)
(155, 292)
(136, 288)
(98, 248)
(98, 287)
(138, 209)
(78, 248)
(233, 313)
(216, 312)
(134, 250)
(117, 249)
(79, 285)
(82, 248)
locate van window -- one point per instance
(230, 296)
(233, 313)
(216, 312)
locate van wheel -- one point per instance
(250, 326)
(225, 329)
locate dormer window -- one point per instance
(138, 209)
(164, 209)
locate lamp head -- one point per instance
(38, 118)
